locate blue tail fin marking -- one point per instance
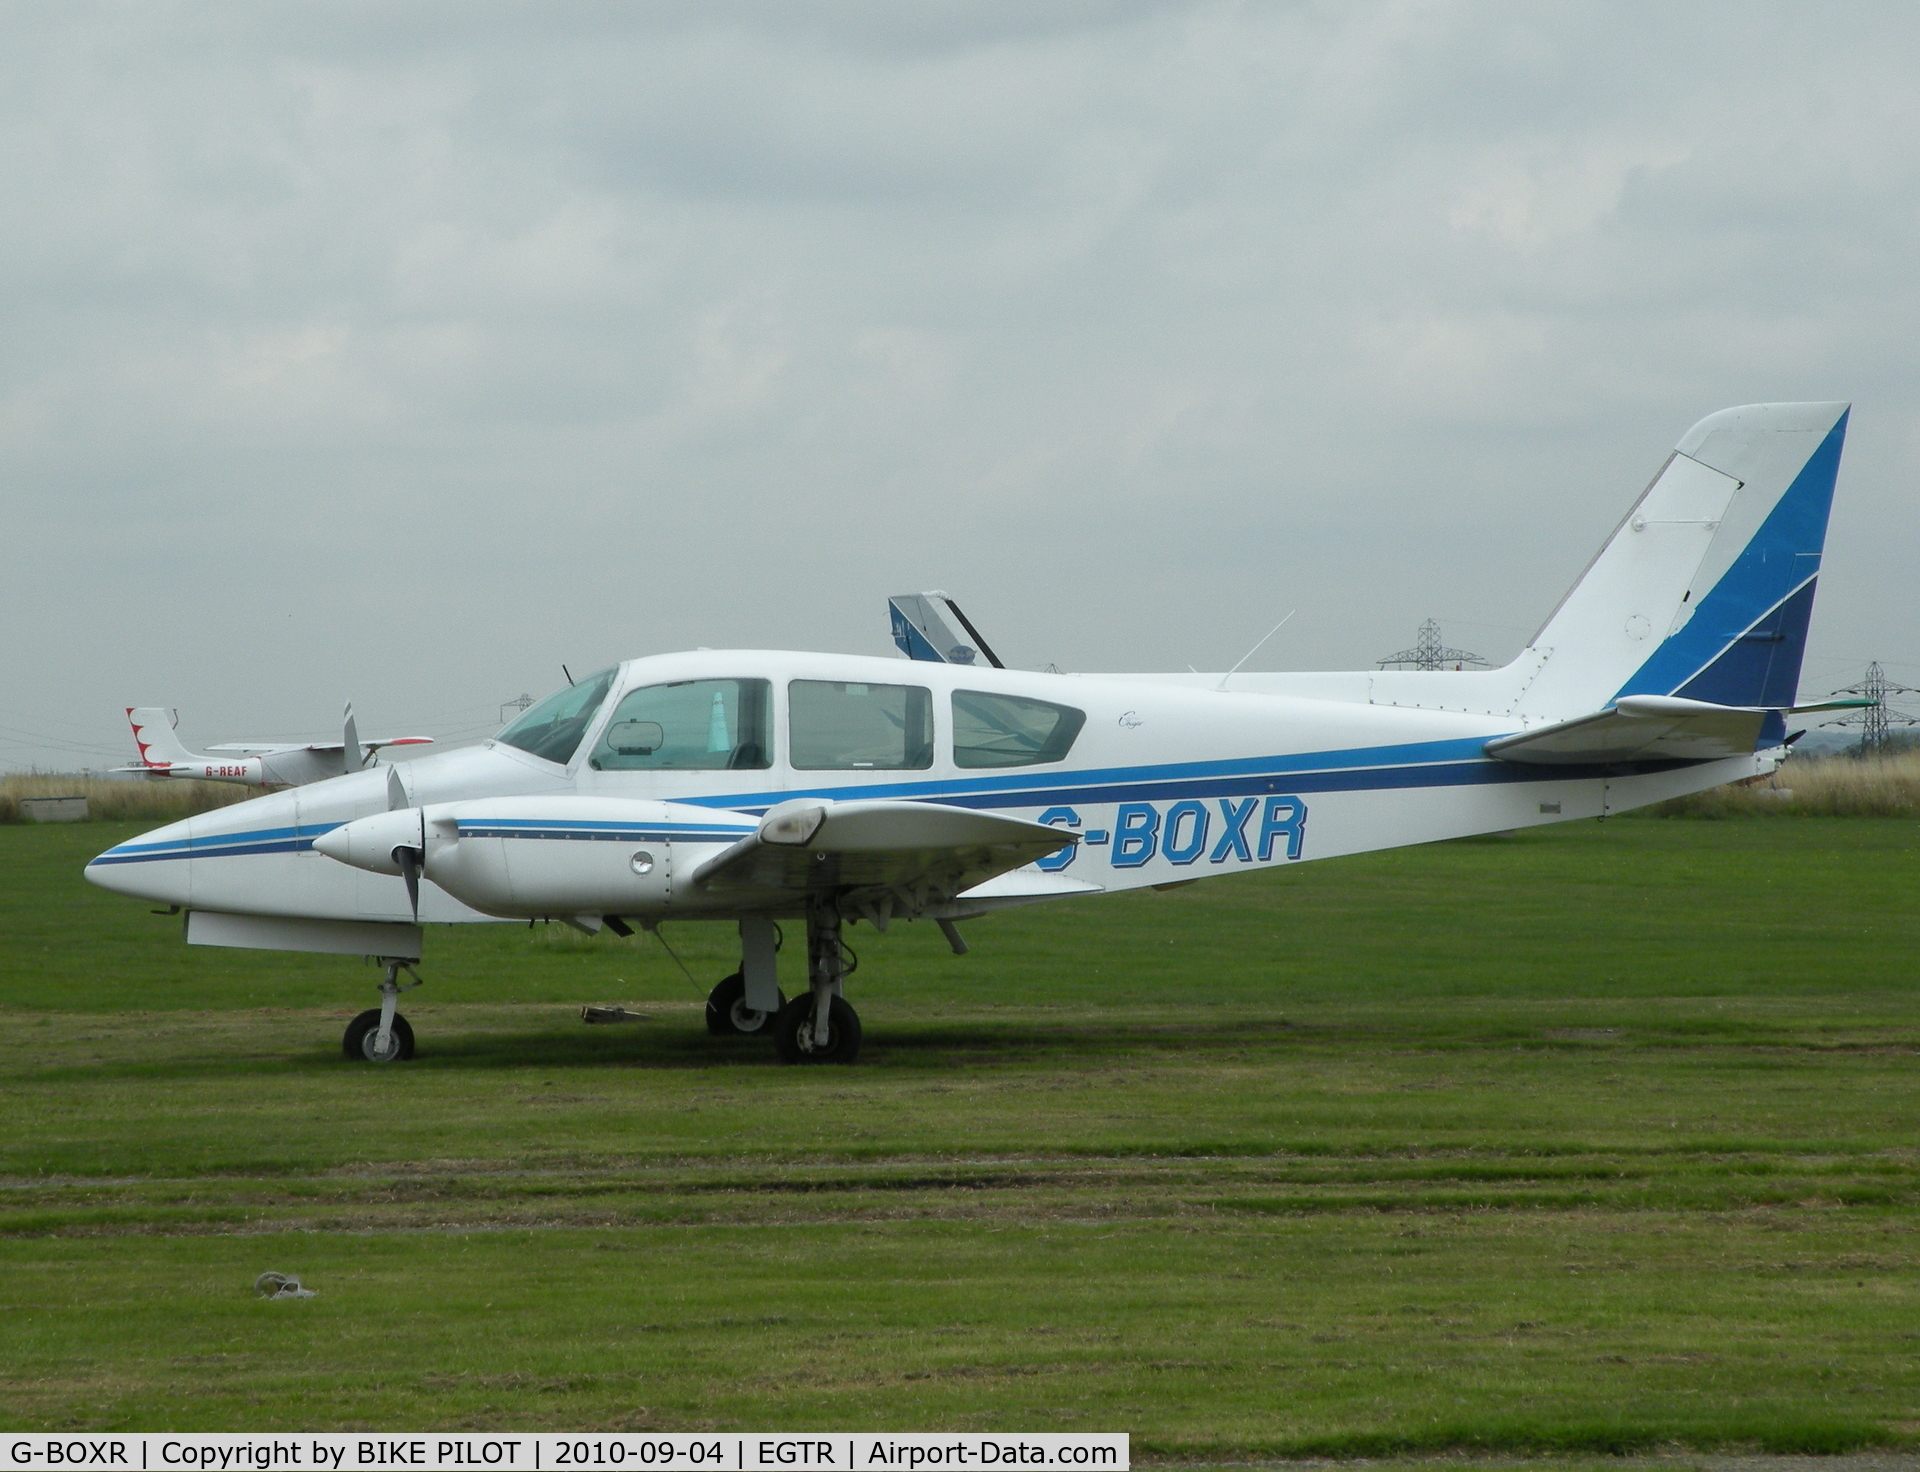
(1744, 644)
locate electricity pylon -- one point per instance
(1875, 720)
(1428, 653)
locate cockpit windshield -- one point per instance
(553, 728)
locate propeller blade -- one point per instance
(396, 791)
(410, 871)
(352, 759)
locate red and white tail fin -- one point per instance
(153, 733)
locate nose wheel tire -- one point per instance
(364, 1031)
(728, 1014)
(793, 1032)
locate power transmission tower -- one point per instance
(1875, 720)
(1428, 653)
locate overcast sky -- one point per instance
(403, 352)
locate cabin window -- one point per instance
(1010, 730)
(687, 726)
(835, 726)
(553, 728)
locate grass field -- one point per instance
(1593, 1139)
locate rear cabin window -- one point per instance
(553, 728)
(1010, 730)
(835, 727)
(687, 726)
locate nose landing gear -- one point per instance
(380, 1034)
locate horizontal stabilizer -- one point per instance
(1650, 728)
(922, 850)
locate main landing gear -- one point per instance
(728, 1014)
(380, 1034)
(820, 1027)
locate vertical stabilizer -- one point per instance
(153, 733)
(930, 627)
(1706, 588)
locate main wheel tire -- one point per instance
(728, 1014)
(793, 1032)
(361, 1033)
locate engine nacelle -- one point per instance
(536, 856)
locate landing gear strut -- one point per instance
(820, 1027)
(380, 1034)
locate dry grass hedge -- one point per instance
(1806, 787)
(138, 800)
(1813, 787)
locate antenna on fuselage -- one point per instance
(1253, 651)
(568, 673)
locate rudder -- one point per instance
(1706, 588)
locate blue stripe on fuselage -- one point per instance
(219, 845)
(1454, 763)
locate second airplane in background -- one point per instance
(252, 763)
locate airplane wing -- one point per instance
(369, 743)
(920, 852)
(1653, 728)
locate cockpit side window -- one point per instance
(688, 726)
(838, 726)
(1010, 730)
(553, 728)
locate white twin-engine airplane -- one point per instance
(755, 786)
(253, 763)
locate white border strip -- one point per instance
(680, 1451)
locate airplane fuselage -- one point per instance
(1160, 782)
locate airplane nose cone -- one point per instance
(368, 843)
(154, 866)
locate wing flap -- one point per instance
(1030, 884)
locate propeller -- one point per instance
(410, 871)
(411, 860)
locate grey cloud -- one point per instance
(404, 351)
